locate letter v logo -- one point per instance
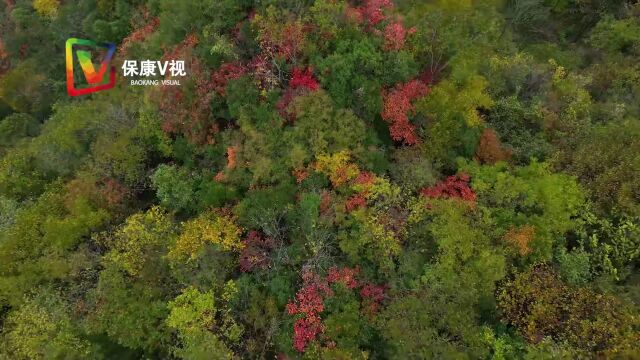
(93, 77)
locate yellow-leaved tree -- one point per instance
(211, 227)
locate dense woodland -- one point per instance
(333, 179)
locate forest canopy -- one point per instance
(331, 179)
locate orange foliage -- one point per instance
(189, 42)
(355, 202)
(231, 156)
(520, 238)
(300, 175)
(139, 34)
(490, 150)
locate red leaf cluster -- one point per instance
(398, 107)
(456, 186)
(309, 301)
(226, 72)
(373, 10)
(256, 251)
(189, 115)
(366, 178)
(346, 276)
(300, 175)
(303, 79)
(394, 36)
(372, 296)
(284, 42)
(189, 42)
(139, 34)
(355, 202)
(291, 44)
(113, 191)
(185, 113)
(301, 82)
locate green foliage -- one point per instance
(540, 305)
(574, 266)
(321, 129)
(15, 127)
(204, 323)
(262, 209)
(440, 317)
(607, 168)
(613, 244)
(520, 126)
(41, 328)
(141, 240)
(454, 117)
(530, 195)
(61, 148)
(350, 75)
(26, 90)
(175, 187)
(41, 243)
(613, 35)
(131, 313)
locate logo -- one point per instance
(95, 79)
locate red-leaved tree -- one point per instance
(456, 186)
(256, 251)
(309, 301)
(395, 36)
(302, 81)
(398, 107)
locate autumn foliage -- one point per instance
(255, 252)
(398, 107)
(309, 301)
(140, 34)
(540, 305)
(490, 150)
(372, 11)
(520, 238)
(226, 72)
(456, 186)
(302, 81)
(395, 36)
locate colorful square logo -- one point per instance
(95, 79)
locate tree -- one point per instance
(490, 149)
(42, 328)
(26, 90)
(607, 170)
(204, 323)
(141, 240)
(455, 120)
(539, 304)
(211, 227)
(175, 187)
(15, 127)
(529, 196)
(48, 8)
(439, 316)
(398, 107)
